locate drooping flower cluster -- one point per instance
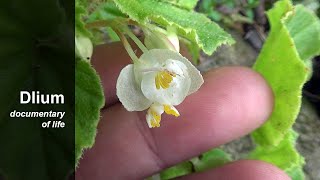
(159, 80)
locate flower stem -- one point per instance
(135, 40)
(195, 161)
(127, 46)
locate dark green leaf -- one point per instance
(191, 25)
(89, 101)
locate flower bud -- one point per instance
(159, 40)
(83, 47)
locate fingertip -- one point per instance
(256, 95)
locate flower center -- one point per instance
(163, 79)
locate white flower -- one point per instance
(159, 80)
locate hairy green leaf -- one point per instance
(88, 91)
(89, 101)
(106, 11)
(284, 63)
(191, 25)
(285, 156)
(281, 65)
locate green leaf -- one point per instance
(191, 25)
(181, 169)
(281, 65)
(89, 101)
(211, 159)
(284, 156)
(304, 28)
(106, 11)
(36, 54)
(88, 91)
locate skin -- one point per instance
(232, 102)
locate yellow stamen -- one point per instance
(163, 79)
(156, 118)
(171, 111)
(157, 81)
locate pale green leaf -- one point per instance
(191, 25)
(284, 63)
(284, 156)
(281, 65)
(304, 28)
(89, 101)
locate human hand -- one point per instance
(232, 102)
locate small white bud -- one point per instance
(84, 47)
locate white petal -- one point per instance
(129, 93)
(175, 66)
(156, 57)
(158, 108)
(174, 95)
(194, 74)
